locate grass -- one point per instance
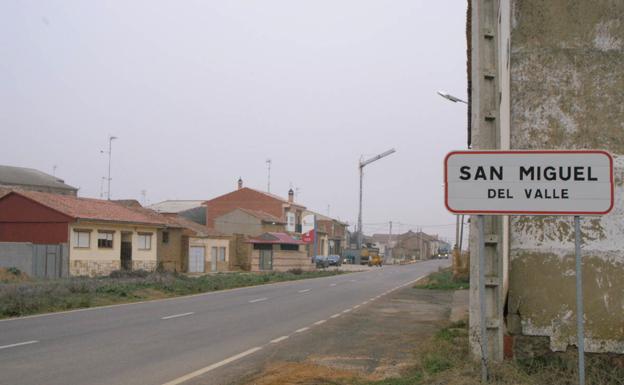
(445, 359)
(443, 280)
(26, 297)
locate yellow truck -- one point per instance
(370, 256)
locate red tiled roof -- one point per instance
(91, 209)
(274, 238)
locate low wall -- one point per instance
(42, 261)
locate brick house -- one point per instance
(259, 201)
(248, 222)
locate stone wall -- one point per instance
(567, 77)
(92, 268)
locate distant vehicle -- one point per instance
(334, 260)
(321, 261)
(375, 260)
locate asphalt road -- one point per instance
(176, 340)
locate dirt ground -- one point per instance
(375, 342)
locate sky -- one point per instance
(200, 93)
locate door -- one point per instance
(266, 259)
(213, 258)
(126, 255)
(196, 259)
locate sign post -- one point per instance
(559, 183)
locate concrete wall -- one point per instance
(43, 261)
(94, 261)
(567, 79)
(239, 222)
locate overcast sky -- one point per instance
(202, 92)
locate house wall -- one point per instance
(242, 198)
(567, 79)
(284, 260)
(23, 220)
(208, 244)
(171, 255)
(93, 261)
(239, 222)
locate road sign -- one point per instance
(529, 182)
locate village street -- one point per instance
(177, 340)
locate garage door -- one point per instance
(196, 260)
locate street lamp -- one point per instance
(110, 145)
(458, 232)
(362, 164)
(450, 97)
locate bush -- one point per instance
(14, 270)
(129, 273)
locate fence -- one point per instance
(42, 261)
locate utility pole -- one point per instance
(268, 162)
(109, 152)
(389, 247)
(361, 165)
(54, 170)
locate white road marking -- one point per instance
(304, 291)
(280, 339)
(332, 284)
(372, 299)
(335, 316)
(352, 280)
(178, 315)
(18, 344)
(320, 322)
(347, 310)
(209, 368)
(302, 330)
(356, 306)
(364, 303)
(258, 300)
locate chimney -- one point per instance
(291, 196)
(240, 183)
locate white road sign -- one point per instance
(529, 182)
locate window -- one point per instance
(105, 240)
(145, 241)
(165, 237)
(82, 238)
(222, 254)
(286, 246)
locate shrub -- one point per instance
(14, 270)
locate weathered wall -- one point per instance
(171, 255)
(567, 82)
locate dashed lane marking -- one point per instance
(212, 367)
(178, 315)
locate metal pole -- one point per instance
(315, 248)
(579, 300)
(461, 234)
(110, 146)
(359, 238)
(482, 310)
(457, 231)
